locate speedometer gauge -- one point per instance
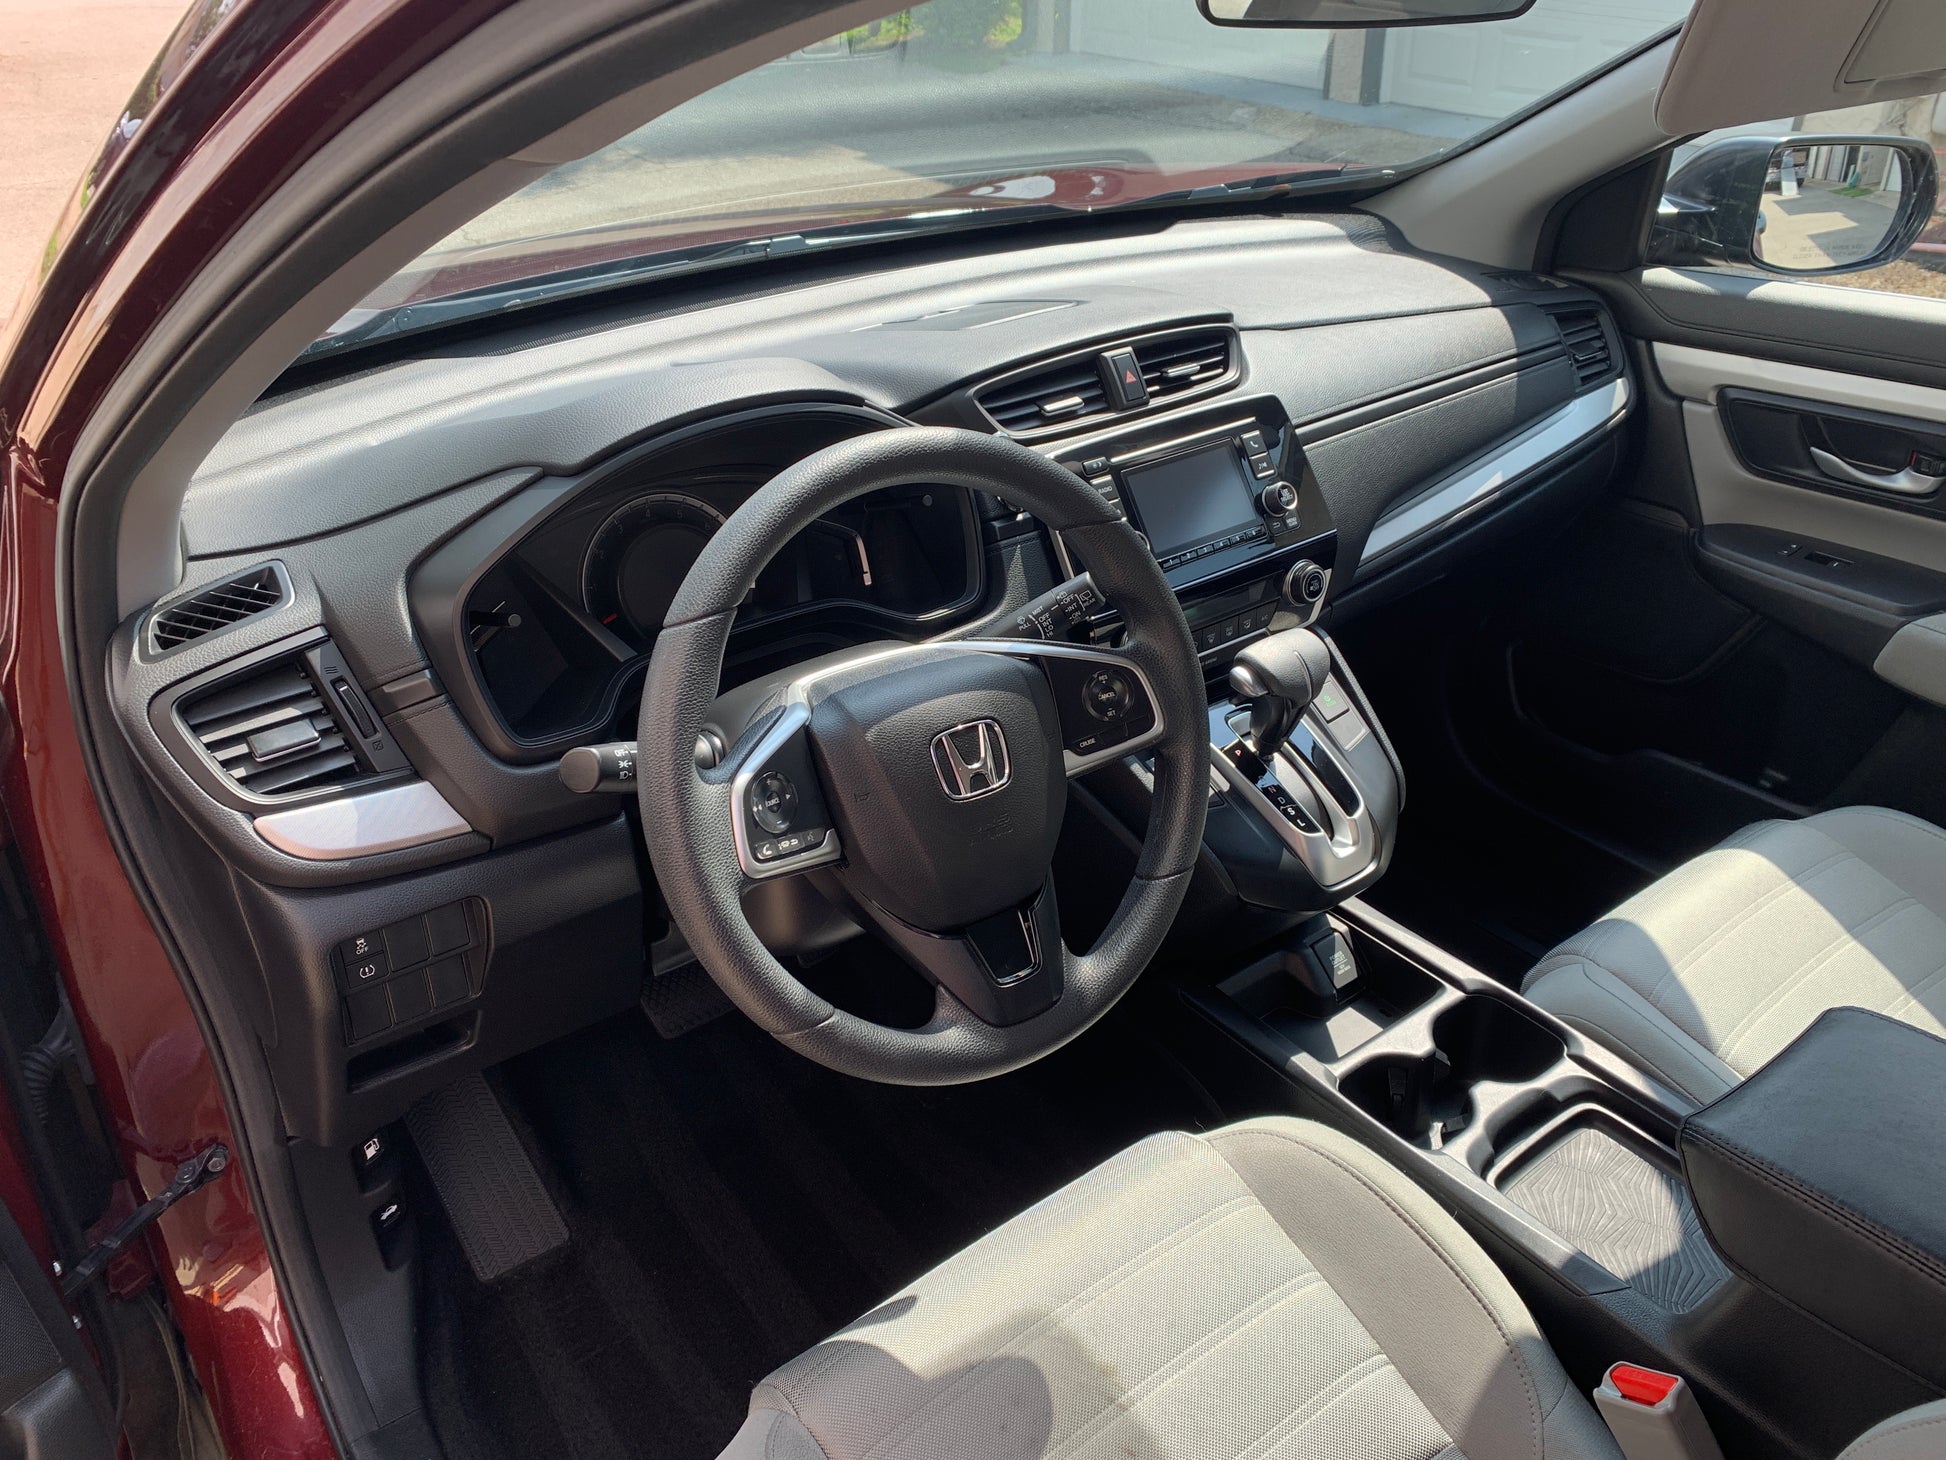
(638, 558)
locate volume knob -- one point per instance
(1278, 498)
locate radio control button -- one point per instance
(1278, 498)
(1262, 466)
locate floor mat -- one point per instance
(729, 1203)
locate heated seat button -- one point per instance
(406, 942)
(367, 1012)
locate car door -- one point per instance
(52, 1402)
(1756, 624)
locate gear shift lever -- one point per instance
(1280, 675)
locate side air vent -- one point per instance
(271, 733)
(1587, 343)
(1183, 363)
(1052, 397)
(216, 607)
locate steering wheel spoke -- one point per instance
(1107, 706)
(1005, 969)
(779, 814)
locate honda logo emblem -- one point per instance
(971, 759)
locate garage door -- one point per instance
(1496, 69)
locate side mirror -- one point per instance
(1801, 206)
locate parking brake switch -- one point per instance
(1654, 1416)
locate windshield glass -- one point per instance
(959, 111)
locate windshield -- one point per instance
(968, 111)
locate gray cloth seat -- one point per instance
(1269, 1290)
(1707, 973)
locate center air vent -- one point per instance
(216, 607)
(1171, 367)
(1587, 342)
(1182, 363)
(270, 732)
(1052, 397)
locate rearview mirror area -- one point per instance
(1803, 206)
(1357, 14)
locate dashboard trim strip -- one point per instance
(1577, 422)
(389, 819)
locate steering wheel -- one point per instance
(925, 783)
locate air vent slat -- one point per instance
(1587, 345)
(281, 699)
(1173, 366)
(216, 607)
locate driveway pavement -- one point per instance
(66, 69)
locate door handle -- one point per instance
(1905, 482)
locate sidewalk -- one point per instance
(66, 68)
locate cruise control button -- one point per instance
(1107, 694)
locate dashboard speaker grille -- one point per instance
(1183, 362)
(1587, 343)
(216, 607)
(1051, 397)
(270, 732)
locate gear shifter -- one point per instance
(1280, 675)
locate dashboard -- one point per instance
(409, 589)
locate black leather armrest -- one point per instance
(1823, 1179)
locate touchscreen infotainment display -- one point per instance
(1192, 499)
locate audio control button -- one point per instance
(1278, 498)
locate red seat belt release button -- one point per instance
(1654, 1416)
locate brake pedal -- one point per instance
(486, 1182)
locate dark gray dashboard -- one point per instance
(383, 497)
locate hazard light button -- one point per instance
(1123, 375)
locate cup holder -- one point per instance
(1480, 1038)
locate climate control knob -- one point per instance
(1304, 584)
(1278, 498)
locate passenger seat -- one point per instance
(1703, 976)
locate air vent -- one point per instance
(1051, 397)
(1182, 363)
(216, 608)
(270, 732)
(1587, 344)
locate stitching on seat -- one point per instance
(1792, 882)
(1294, 1424)
(1412, 1225)
(1907, 1427)
(770, 1440)
(1846, 936)
(1230, 1328)
(1911, 995)
(1647, 1012)
(1236, 1206)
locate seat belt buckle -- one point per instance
(1653, 1415)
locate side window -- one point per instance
(1814, 197)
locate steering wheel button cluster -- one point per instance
(773, 801)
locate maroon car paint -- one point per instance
(190, 165)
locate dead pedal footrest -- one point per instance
(486, 1182)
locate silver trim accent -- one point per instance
(1907, 482)
(1348, 845)
(389, 819)
(796, 716)
(989, 760)
(1574, 423)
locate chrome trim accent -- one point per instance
(1579, 421)
(989, 760)
(795, 717)
(386, 820)
(1347, 847)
